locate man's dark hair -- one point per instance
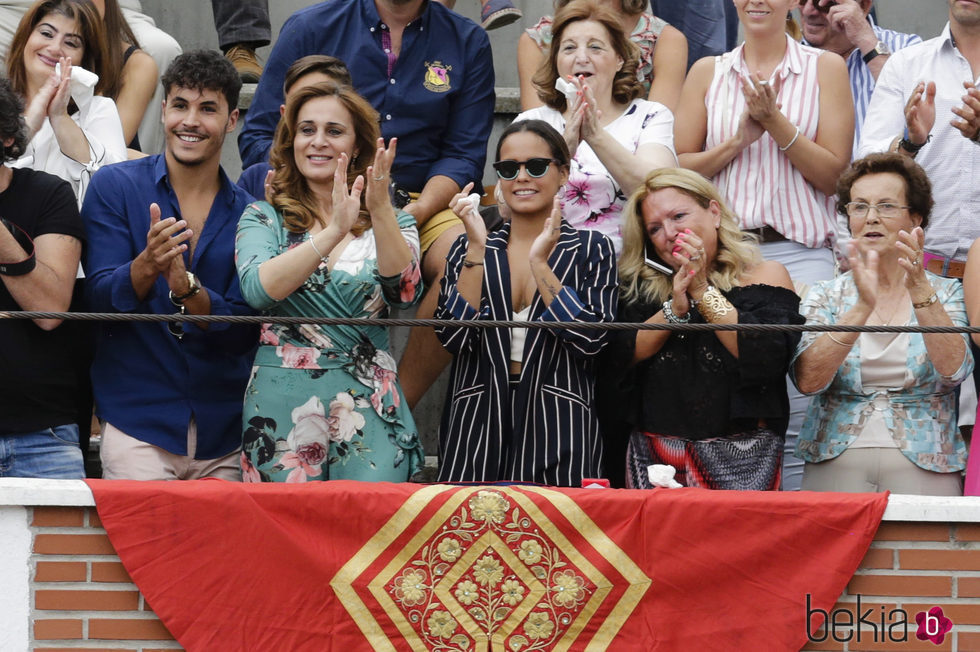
(11, 122)
(201, 70)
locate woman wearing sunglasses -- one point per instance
(614, 135)
(712, 404)
(520, 402)
(883, 414)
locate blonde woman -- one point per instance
(712, 404)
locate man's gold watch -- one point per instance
(194, 286)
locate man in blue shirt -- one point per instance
(161, 236)
(845, 27)
(429, 74)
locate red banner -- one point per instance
(350, 566)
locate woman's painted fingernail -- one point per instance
(688, 231)
(691, 273)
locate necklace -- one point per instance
(887, 322)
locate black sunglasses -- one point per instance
(816, 5)
(176, 328)
(509, 169)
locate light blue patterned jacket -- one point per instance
(921, 415)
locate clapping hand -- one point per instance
(749, 131)
(920, 112)
(590, 124)
(58, 107)
(760, 98)
(545, 242)
(693, 273)
(910, 245)
(864, 268)
(37, 108)
(346, 204)
(573, 125)
(165, 241)
(969, 113)
(378, 176)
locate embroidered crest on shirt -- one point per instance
(437, 77)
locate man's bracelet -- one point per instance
(22, 267)
(911, 147)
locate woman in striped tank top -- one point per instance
(771, 124)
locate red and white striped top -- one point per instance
(760, 184)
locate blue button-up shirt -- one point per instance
(438, 99)
(148, 383)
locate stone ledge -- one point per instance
(508, 99)
(75, 493)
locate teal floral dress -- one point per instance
(324, 402)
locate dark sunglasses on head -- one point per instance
(816, 5)
(509, 169)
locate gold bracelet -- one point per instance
(838, 342)
(713, 304)
(928, 302)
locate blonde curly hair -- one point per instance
(737, 251)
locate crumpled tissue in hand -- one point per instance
(662, 475)
(82, 84)
(566, 88)
(473, 200)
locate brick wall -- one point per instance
(912, 567)
(81, 595)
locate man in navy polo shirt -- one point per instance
(429, 74)
(161, 236)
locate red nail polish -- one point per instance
(691, 273)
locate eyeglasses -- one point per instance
(536, 167)
(860, 209)
(816, 5)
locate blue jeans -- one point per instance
(48, 453)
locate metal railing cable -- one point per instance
(475, 323)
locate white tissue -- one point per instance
(662, 475)
(566, 88)
(82, 84)
(473, 200)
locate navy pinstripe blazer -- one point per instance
(550, 434)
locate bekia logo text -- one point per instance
(874, 624)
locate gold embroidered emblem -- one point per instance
(490, 570)
(437, 77)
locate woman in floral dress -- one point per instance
(614, 135)
(324, 401)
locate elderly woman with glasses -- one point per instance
(520, 404)
(883, 413)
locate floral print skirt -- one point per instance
(320, 424)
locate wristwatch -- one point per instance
(194, 286)
(879, 48)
